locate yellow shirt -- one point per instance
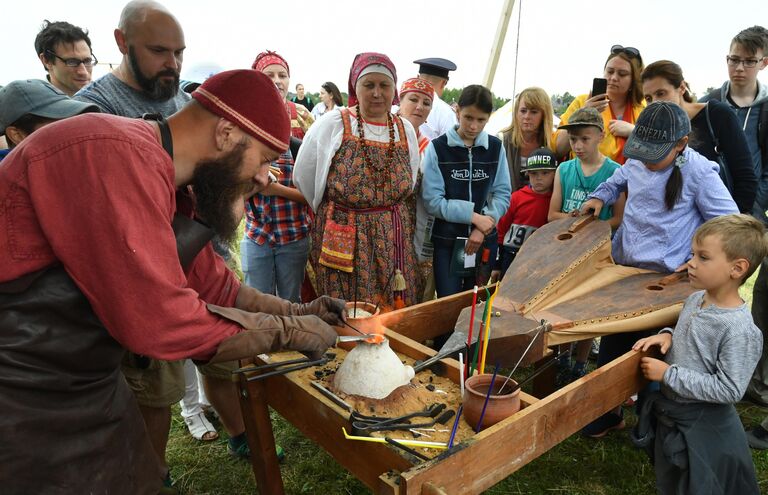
(611, 145)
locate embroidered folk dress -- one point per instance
(379, 196)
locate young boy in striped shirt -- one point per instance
(709, 358)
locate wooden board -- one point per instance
(429, 319)
(629, 297)
(553, 261)
(499, 451)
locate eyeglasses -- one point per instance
(735, 61)
(75, 62)
(629, 51)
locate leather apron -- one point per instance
(69, 423)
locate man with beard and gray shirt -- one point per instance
(147, 82)
(147, 79)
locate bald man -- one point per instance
(152, 43)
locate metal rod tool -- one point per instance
(330, 395)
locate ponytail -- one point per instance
(674, 187)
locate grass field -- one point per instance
(577, 466)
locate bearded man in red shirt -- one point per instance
(89, 267)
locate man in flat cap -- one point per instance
(89, 267)
(442, 117)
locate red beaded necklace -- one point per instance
(366, 149)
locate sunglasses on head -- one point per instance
(629, 51)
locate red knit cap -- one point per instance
(250, 100)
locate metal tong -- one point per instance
(354, 338)
(298, 364)
(364, 424)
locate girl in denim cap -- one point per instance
(672, 191)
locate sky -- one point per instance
(560, 45)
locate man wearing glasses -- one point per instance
(748, 98)
(65, 51)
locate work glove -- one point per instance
(266, 333)
(329, 309)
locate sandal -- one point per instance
(200, 428)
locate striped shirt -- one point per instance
(275, 219)
(714, 352)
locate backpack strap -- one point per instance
(762, 132)
(165, 131)
(725, 173)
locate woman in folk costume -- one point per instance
(357, 169)
(275, 66)
(415, 105)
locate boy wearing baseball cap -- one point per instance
(528, 208)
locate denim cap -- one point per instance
(541, 159)
(583, 117)
(39, 98)
(659, 127)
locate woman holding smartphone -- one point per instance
(620, 104)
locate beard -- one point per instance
(219, 192)
(155, 88)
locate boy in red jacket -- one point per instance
(528, 209)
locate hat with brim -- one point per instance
(658, 128)
(434, 66)
(583, 117)
(540, 159)
(38, 98)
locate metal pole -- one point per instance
(498, 42)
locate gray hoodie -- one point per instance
(749, 119)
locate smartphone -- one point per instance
(599, 86)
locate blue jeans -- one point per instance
(277, 270)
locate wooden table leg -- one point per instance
(258, 428)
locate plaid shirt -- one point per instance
(274, 218)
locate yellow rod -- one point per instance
(409, 443)
(488, 327)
